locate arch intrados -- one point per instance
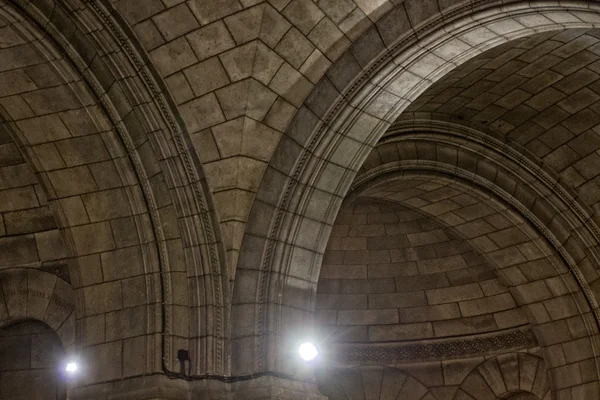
(558, 211)
(141, 129)
(504, 381)
(357, 109)
(32, 294)
(557, 257)
(376, 190)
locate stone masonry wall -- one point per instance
(28, 232)
(390, 273)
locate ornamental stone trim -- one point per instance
(522, 338)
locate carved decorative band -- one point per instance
(518, 339)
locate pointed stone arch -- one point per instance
(541, 210)
(327, 142)
(129, 196)
(31, 294)
(505, 377)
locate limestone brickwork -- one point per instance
(390, 274)
(411, 184)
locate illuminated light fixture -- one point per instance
(71, 367)
(308, 351)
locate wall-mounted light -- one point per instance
(71, 367)
(308, 351)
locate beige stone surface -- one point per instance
(172, 173)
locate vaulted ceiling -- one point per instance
(417, 183)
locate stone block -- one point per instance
(454, 293)
(429, 313)
(392, 270)
(207, 11)
(561, 307)
(455, 371)
(487, 305)
(108, 362)
(93, 238)
(210, 40)
(122, 263)
(303, 14)
(442, 264)
(344, 272)
(72, 181)
(553, 333)
(476, 386)
(425, 238)
(256, 104)
(108, 204)
(126, 323)
(29, 221)
(397, 300)
(18, 250)
(465, 326)
(400, 332)
(291, 85)
(349, 243)
(533, 292)
(206, 106)
(490, 372)
(367, 286)
(50, 245)
(329, 39)
(422, 282)
(135, 355)
(44, 101)
(206, 76)
(94, 329)
(102, 298)
(511, 318)
(175, 22)
(341, 301)
(133, 13)
(367, 317)
(295, 48)
(586, 391)
(149, 36)
(387, 242)
(566, 376)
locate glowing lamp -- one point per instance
(308, 351)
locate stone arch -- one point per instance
(328, 140)
(566, 239)
(125, 146)
(32, 356)
(371, 383)
(506, 376)
(31, 294)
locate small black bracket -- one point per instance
(183, 356)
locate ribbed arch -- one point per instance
(329, 139)
(421, 155)
(113, 158)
